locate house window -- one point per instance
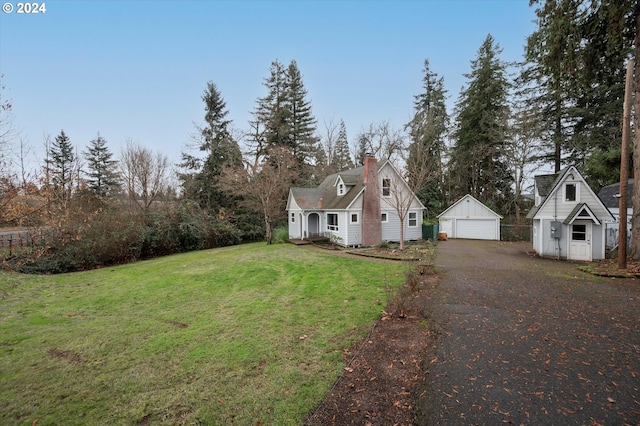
(413, 219)
(341, 189)
(332, 221)
(386, 187)
(354, 218)
(385, 218)
(571, 192)
(579, 232)
(293, 217)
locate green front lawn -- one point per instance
(238, 335)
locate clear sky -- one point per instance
(136, 69)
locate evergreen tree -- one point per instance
(200, 181)
(341, 158)
(607, 32)
(302, 123)
(273, 110)
(552, 55)
(478, 155)
(286, 117)
(61, 168)
(576, 61)
(427, 130)
(102, 174)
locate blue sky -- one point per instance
(137, 69)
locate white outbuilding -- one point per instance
(469, 218)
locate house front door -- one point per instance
(580, 241)
(313, 224)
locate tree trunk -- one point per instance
(269, 231)
(635, 222)
(624, 168)
(401, 233)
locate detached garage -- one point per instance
(469, 218)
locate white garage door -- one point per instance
(476, 229)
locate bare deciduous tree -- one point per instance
(379, 140)
(144, 174)
(524, 148)
(263, 185)
(402, 191)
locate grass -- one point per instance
(242, 335)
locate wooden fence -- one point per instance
(14, 240)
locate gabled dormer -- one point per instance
(341, 187)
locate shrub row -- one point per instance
(117, 234)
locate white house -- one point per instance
(568, 217)
(471, 219)
(610, 196)
(356, 207)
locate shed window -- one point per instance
(332, 221)
(293, 217)
(354, 218)
(384, 218)
(571, 192)
(341, 189)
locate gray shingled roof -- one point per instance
(545, 185)
(608, 194)
(325, 196)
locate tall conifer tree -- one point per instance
(214, 140)
(61, 167)
(478, 155)
(341, 158)
(102, 168)
(427, 130)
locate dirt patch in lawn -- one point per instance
(380, 382)
(71, 357)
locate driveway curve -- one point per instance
(524, 340)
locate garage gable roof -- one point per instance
(457, 207)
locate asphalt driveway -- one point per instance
(523, 340)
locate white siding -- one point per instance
(391, 229)
(354, 230)
(555, 206)
(295, 224)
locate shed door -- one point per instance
(476, 229)
(580, 241)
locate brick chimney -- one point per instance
(371, 214)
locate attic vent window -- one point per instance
(341, 189)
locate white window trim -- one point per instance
(357, 218)
(333, 228)
(564, 192)
(385, 218)
(293, 217)
(409, 220)
(388, 187)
